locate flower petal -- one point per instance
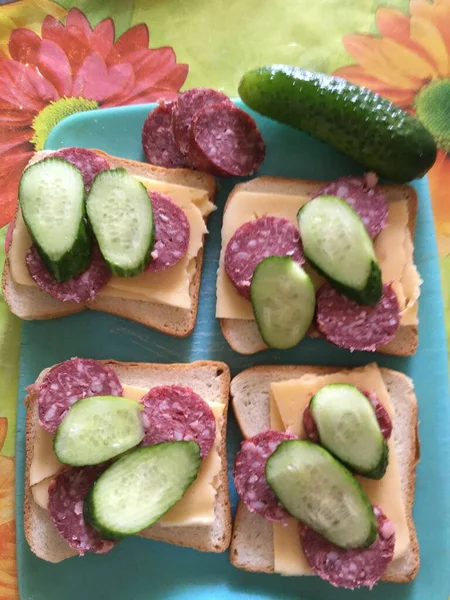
(367, 50)
(102, 38)
(95, 82)
(28, 48)
(437, 13)
(105, 29)
(393, 23)
(165, 87)
(136, 38)
(76, 20)
(3, 431)
(354, 73)
(24, 86)
(11, 168)
(426, 34)
(24, 46)
(10, 138)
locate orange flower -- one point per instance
(409, 63)
(8, 576)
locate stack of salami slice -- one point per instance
(203, 130)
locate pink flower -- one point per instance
(72, 68)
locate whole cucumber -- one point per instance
(353, 119)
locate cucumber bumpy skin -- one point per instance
(353, 119)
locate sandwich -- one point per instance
(128, 256)
(331, 260)
(326, 473)
(118, 449)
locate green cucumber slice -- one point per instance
(348, 428)
(140, 487)
(321, 493)
(51, 198)
(97, 429)
(336, 243)
(283, 300)
(120, 212)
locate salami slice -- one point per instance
(362, 195)
(350, 568)
(175, 412)
(225, 141)
(89, 163)
(250, 477)
(70, 381)
(256, 240)
(187, 105)
(383, 418)
(66, 494)
(81, 288)
(158, 141)
(172, 233)
(353, 326)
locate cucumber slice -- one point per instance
(336, 243)
(51, 197)
(348, 428)
(120, 212)
(98, 428)
(283, 300)
(321, 493)
(140, 487)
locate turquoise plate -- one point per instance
(141, 570)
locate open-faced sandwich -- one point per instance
(99, 232)
(118, 449)
(323, 259)
(326, 474)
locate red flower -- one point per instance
(72, 68)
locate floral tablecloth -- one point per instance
(59, 58)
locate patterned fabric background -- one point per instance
(59, 58)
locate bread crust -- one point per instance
(31, 303)
(401, 389)
(40, 532)
(243, 335)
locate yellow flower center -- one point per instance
(55, 112)
(432, 106)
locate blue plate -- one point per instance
(139, 569)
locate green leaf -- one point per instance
(306, 33)
(120, 11)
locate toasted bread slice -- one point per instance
(243, 335)
(211, 380)
(252, 540)
(29, 302)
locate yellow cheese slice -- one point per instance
(291, 398)
(183, 196)
(44, 463)
(170, 287)
(411, 285)
(196, 507)
(40, 492)
(390, 247)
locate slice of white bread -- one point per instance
(252, 540)
(243, 335)
(211, 380)
(29, 302)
